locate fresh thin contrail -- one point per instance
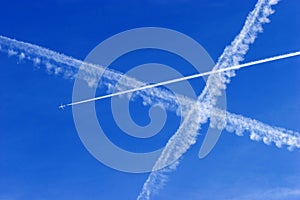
(249, 64)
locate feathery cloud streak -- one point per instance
(231, 56)
(60, 64)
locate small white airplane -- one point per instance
(62, 106)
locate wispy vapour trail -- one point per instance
(260, 131)
(231, 56)
(55, 62)
(67, 66)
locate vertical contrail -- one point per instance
(231, 56)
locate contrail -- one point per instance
(177, 145)
(239, 124)
(61, 64)
(249, 64)
(231, 56)
(55, 62)
(260, 131)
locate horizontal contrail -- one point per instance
(260, 131)
(249, 64)
(68, 67)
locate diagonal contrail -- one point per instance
(231, 56)
(249, 64)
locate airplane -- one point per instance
(62, 106)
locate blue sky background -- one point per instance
(41, 155)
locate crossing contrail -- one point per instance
(249, 64)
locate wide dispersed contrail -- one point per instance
(60, 64)
(231, 56)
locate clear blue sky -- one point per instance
(41, 155)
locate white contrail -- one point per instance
(231, 56)
(260, 131)
(55, 62)
(249, 64)
(60, 64)
(63, 63)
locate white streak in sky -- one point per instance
(55, 62)
(231, 56)
(249, 64)
(186, 136)
(68, 67)
(260, 131)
